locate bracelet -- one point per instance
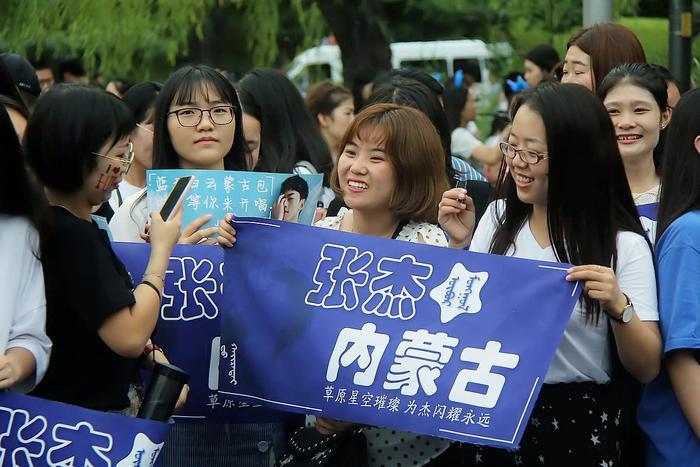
(151, 285)
(152, 348)
(147, 273)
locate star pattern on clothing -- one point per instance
(555, 424)
(535, 422)
(478, 458)
(606, 464)
(595, 440)
(518, 460)
(604, 417)
(541, 458)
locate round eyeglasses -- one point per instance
(526, 155)
(192, 116)
(125, 160)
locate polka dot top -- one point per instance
(411, 232)
(388, 447)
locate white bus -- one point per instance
(443, 57)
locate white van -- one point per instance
(444, 57)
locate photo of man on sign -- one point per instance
(292, 198)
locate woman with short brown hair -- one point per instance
(391, 174)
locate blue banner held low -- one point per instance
(189, 329)
(395, 334)
(38, 432)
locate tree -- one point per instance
(114, 36)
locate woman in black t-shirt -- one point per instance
(77, 144)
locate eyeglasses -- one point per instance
(125, 160)
(526, 155)
(192, 116)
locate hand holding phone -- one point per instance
(176, 196)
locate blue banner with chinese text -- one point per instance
(407, 336)
(189, 329)
(38, 432)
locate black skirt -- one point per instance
(572, 424)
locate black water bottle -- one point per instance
(163, 391)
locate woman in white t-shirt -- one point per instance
(567, 200)
(24, 345)
(140, 99)
(636, 99)
(460, 107)
(383, 141)
(197, 121)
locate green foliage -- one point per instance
(112, 36)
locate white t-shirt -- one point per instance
(120, 195)
(130, 220)
(387, 447)
(463, 143)
(583, 354)
(22, 296)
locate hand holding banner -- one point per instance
(408, 336)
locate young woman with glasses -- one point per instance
(100, 324)
(197, 121)
(567, 200)
(198, 125)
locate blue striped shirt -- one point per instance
(464, 171)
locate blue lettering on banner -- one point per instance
(408, 336)
(36, 432)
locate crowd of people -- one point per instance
(582, 149)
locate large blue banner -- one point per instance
(407, 336)
(286, 197)
(37, 432)
(189, 329)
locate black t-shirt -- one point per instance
(85, 284)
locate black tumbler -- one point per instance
(163, 391)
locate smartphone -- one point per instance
(176, 196)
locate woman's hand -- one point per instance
(165, 234)
(457, 216)
(183, 397)
(328, 426)
(227, 234)
(9, 373)
(600, 283)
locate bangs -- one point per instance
(372, 130)
(199, 84)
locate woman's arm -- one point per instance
(127, 331)
(684, 371)
(16, 365)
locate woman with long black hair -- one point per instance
(24, 346)
(669, 412)
(567, 200)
